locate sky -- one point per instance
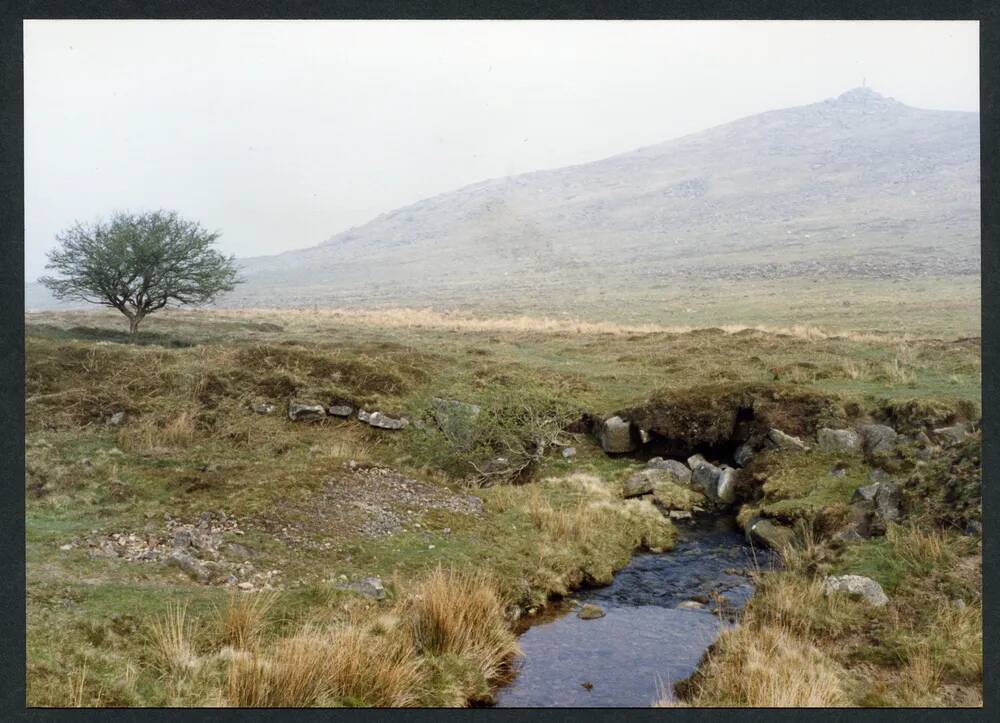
(279, 134)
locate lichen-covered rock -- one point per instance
(838, 440)
(770, 533)
(877, 438)
(306, 411)
(678, 470)
(726, 485)
(856, 586)
(777, 439)
(340, 410)
(743, 454)
(705, 476)
(615, 436)
(381, 421)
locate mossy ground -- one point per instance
(191, 445)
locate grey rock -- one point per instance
(772, 534)
(866, 493)
(262, 407)
(877, 438)
(116, 419)
(838, 440)
(743, 454)
(951, 435)
(643, 482)
(879, 475)
(306, 411)
(726, 485)
(888, 499)
(705, 476)
(340, 410)
(369, 587)
(615, 436)
(381, 421)
(644, 436)
(780, 440)
(856, 586)
(568, 452)
(678, 470)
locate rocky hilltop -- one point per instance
(859, 185)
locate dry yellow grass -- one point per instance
(461, 613)
(243, 620)
(172, 638)
(410, 318)
(767, 667)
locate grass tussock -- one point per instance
(462, 614)
(244, 619)
(172, 638)
(768, 667)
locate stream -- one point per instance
(644, 644)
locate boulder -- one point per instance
(856, 586)
(705, 476)
(877, 438)
(770, 533)
(340, 410)
(678, 470)
(262, 407)
(590, 612)
(615, 436)
(726, 485)
(456, 419)
(839, 440)
(643, 483)
(888, 499)
(743, 454)
(951, 435)
(306, 411)
(779, 440)
(381, 421)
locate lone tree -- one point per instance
(139, 263)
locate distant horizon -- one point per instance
(251, 149)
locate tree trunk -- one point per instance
(133, 327)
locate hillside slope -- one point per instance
(859, 186)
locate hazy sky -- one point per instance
(280, 134)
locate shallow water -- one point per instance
(644, 643)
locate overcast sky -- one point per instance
(280, 134)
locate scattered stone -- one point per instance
(262, 407)
(771, 534)
(839, 471)
(690, 605)
(743, 454)
(340, 410)
(590, 612)
(877, 438)
(369, 587)
(569, 452)
(839, 440)
(678, 470)
(679, 515)
(779, 440)
(951, 435)
(856, 586)
(188, 565)
(381, 421)
(306, 411)
(615, 436)
(116, 419)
